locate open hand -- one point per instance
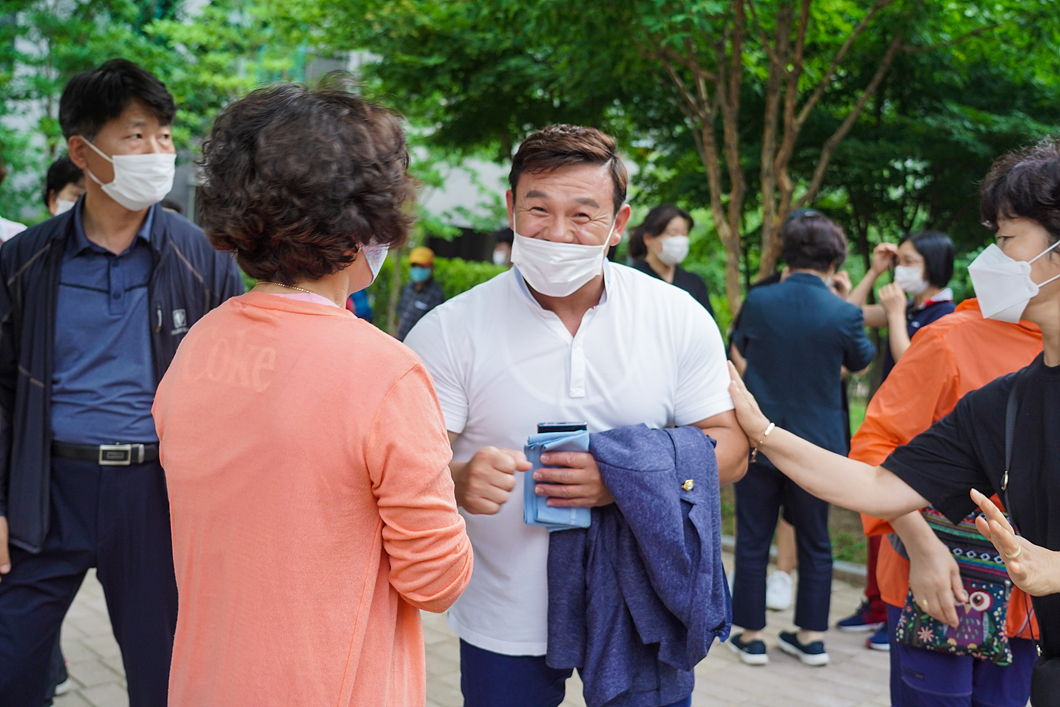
(576, 481)
(1034, 569)
(748, 414)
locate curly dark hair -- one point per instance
(558, 146)
(296, 180)
(810, 240)
(655, 223)
(1025, 184)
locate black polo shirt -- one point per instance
(966, 450)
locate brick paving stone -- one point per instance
(857, 677)
(110, 695)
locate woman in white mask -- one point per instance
(63, 186)
(923, 266)
(659, 245)
(1001, 438)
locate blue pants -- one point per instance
(490, 679)
(113, 518)
(923, 678)
(759, 496)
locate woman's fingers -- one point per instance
(960, 595)
(990, 509)
(947, 610)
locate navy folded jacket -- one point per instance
(636, 600)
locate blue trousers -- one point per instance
(923, 678)
(113, 518)
(490, 679)
(759, 497)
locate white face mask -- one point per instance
(672, 249)
(375, 255)
(910, 279)
(62, 206)
(500, 258)
(558, 269)
(1003, 285)
(139, 180)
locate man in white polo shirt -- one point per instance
(563, 336)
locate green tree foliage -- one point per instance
(208, 60)
(744, 107)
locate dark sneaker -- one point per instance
(879, 641)
(752, 652)
(864, 619)
(808, 653)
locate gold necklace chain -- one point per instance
(290, 287)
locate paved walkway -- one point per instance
(856, 677)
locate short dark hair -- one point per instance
(1025, 184)
(62, 171)
(936, 248)
(813, 241)
(297, 180)
(654, 224)
(564, 145)
(95, 97)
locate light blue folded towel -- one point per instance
(536, 511)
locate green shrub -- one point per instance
(455, 275)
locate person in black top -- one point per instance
(961, 460)
(660, 244)
(919, 294)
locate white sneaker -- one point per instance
(778, 591)
(64, 687)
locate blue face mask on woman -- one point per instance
(418, 273)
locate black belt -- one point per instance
(107, 454)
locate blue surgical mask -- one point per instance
(418, 273)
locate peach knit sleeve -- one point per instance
(408, 458)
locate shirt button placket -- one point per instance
(117, 286)
(577, 370)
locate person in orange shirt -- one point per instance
(306, 457)
(955, 355)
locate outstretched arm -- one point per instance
(829, 476)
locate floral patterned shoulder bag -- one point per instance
(980, 632)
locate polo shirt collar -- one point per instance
(81, 241)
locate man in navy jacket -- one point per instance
(93, 304)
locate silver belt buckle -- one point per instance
(120, 454)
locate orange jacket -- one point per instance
(953, 356)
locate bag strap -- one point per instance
(1010, 430)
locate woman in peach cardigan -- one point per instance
(305, 453)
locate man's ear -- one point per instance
(621, 219)
(75, 148)
(509, 200)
